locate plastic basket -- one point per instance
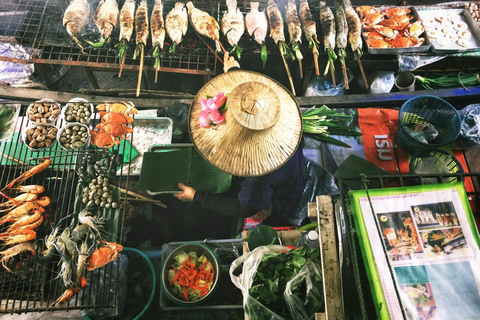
(427, 110)
(436, 162)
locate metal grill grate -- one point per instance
(34, 283)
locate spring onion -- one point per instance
(450, 80)
(319, 123)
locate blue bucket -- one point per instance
(427, 110)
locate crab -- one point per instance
(385, 31)
(378, 43)
(117, 130)
(108, 252)
(415, 29)
(397, 22)
(112, 117)
(400, 11)
(102, 139)
(373, 19)
(401, 42)
(364, 11)
(119, 107)
(373, 35)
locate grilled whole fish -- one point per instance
(106, 17)
(202, 22)
(342, 27)
(256, 23)
(293, 22)
(233, 25)
(76, 18)
(308, 22)
(157, 24)
(141, 23)
(127, 16)
(276, 22)
(327, 20)
(176, 22)
(354, 27)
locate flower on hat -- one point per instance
(212, 109)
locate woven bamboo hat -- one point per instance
(262, 128)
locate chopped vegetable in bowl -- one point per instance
(191, 277)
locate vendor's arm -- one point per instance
(215, 202)
(229, 63)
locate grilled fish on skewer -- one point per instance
(310, 31)
(295, 31)
(327, 20)
(141, 35)
(127, 17)
(341, 38)
(257, 26)
(158, 33)
(354, 29)
(203, 23)
(233, 26)
(106, 17)
(75, 18)
(176, 24)
(275, 21)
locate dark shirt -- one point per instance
(280, 189)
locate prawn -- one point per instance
(17, 212)
(28, 174)
(43, 201)
(37, 189)
(70, 292)
(18, 200)
(15, 250)
(28, 222)
(20, 238)
(85, 219)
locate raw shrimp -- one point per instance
(24, 237)
(28, 174)
(15, 250)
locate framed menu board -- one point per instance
(421, 251)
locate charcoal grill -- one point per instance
(33, 285)
(37, 24)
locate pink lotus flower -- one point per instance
(210, 114)
(204, 119)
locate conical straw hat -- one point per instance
(262, 128)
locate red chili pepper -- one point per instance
(177, 275)
(185, 294)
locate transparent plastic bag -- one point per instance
(323, 86)
(298, 308)
(470, 127)
(413, 62)
(383, 82)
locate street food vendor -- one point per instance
(259, 142)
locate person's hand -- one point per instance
(187, 193)
(229, 62)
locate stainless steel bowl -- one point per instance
(169, 261)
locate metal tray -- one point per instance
(422, 48)
(473, 41)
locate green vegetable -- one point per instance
(331, 59)
(450, 80)
(264, 54)
(273, 273)
(237, 50)
(319, 123)
(122, 46)
(6, 118)
(181, 257)
(262, 236)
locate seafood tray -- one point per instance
(421, 48)
(451, 30)
(34, 282)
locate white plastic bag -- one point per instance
(298, 308)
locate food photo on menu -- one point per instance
(444, 242)
(419, 301)
(399, 235)
(435, 215)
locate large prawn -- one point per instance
(70, 292)
(28, 174)
(15, 250)
(18, 200)
(25, 236)
(28, 222)
(17, 213)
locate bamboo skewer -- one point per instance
(288, 73)
(363, 73)
(122, 64)
(332, 72)
(315, 59)
(300, 68)
(344, 70)
(142, 55)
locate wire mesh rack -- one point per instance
(35, 281)
(356, 287)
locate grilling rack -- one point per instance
(34, 283)
(357, 294)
